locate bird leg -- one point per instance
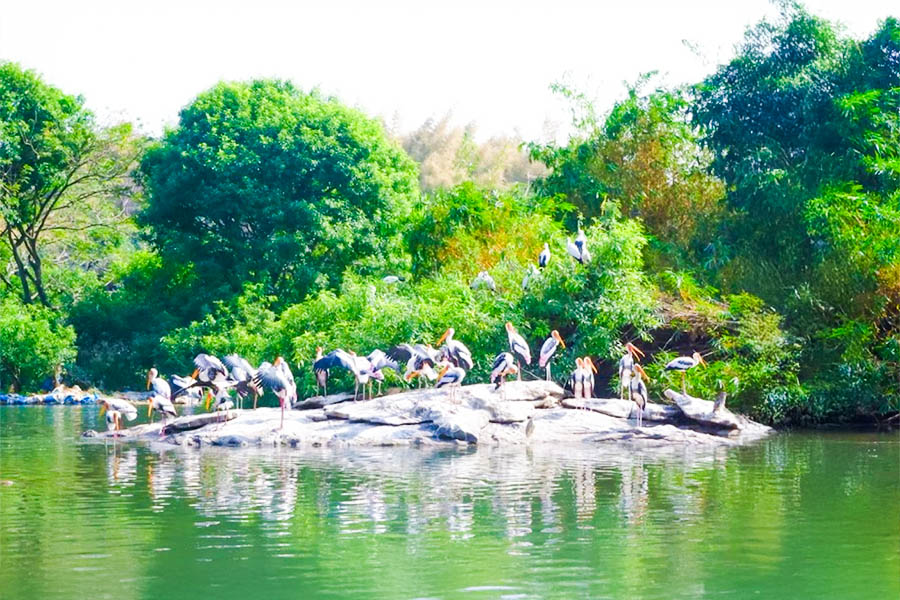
(518, 371)
(683, 383)
(282, 413)
(548, 371)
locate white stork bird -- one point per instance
(455, 351)
(484, 280)
(504, 364)
(548, 350)
(578, 250)
(223, 401)
(683, 363)
(587, 388)
(518, 347)
(115, 409)
(278, 378)
(544, 256)
(242, 374)
(451, 377)
(161, 398)
(530, 276)
(626, 367)
(638, 391)
(321, 374)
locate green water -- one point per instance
(795, 516)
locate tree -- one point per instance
(33, 344)
(58, 173)
(262, 182)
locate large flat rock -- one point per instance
(480, 414)
(625, 409)
(701, 411)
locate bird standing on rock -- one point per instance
(455, 351)
(518, 347)
(504, 364)
(683, 363)
(626, 367)
(242, 373)
(452, 377)
(278, 378)
(638, 391)
(548, 350)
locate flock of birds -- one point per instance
(444, 366)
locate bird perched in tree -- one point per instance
(242, 374)
(451, 377)
(544, 256)
(530, 276)
(518, 347)
(504, 365)
(484, 281)
(578, 250)
(683, 363)
(278, 378)
(638, 391)
(548, 350)
(455, 351)
(626, 366)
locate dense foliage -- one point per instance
(752, 216)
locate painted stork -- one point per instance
(381, 361)
(223, 401)
(683, 363)
(163, 406)
(451, 377)
(278, 378)
(455, 351)
(484, 280)
(518, 347)
(321, 374)
(548, 350)
(242, 374)
(576, 379)
(158, 385)
(638, 391)
(359, 366)
(419, 359)
(504, 364)
(115, 409)
(588, 383)
(626, 366)
(210, 372)
(544, 256)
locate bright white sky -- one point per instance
(488, 62)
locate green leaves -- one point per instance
(259, 177)
(33, 343)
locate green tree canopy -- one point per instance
(33, 344)
(262, 182)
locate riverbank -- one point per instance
(522, 413)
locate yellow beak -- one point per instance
(443, 337)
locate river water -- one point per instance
(799, 515)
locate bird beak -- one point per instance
(443, 337)
(411, 375)
(148, 380)
(150, 407)
(591, 364)
(703, 362)
(444, 370)
(559, 339)
(102, 409)
(635, 349)
(208, 398)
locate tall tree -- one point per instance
(58, 171)
(263, 182)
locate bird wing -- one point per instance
(335, 358)
(682, 363)
(161, 387)
(235, 361)
(208, 362)
(519, 346)
(271, 377)
(401, 353)
(548, 349)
